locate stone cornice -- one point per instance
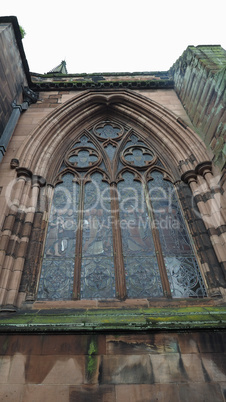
(72, 86)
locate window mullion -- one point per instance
(78, 247)
(117, 245)
(158, 248)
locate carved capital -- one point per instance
(36, 179)
(203, 168)
(189, 176)
(22, 171)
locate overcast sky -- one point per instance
(115, 36)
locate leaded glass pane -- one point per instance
(97, 278)
(182, 268)
(97, 243)
(142, 277)
(56, 281)
(184, 276)
(142, 274)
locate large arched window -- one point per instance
(116, 228)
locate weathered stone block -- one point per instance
(97, 393)
(200, 393)
(142, 344)
(42, 392)
(55, 369)
(12, 393)
(23, 344)
(126, 370)
(215, 366)
(147, 393)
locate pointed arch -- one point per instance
(40, 152)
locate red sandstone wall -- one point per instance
(200, 79)
(12, 75)
(113, 367)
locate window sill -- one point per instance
(121, 304)
(173, 315)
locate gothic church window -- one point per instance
(116, 229)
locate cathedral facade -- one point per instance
(113, 230)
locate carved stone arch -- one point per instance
(179, 145)
(39, 151)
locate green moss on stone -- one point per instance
(108, 319)
(92, 359)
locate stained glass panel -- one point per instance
(184, 276)
(56, 281)
(97, 273)
(182, 268)
(97, 278)
(142, 277)
(142, 273)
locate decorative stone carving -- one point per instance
(14, 163)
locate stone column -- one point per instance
(32, 265)
(198, 180)
(216, 204)
(16, 234)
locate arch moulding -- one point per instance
(40, 151)
(39, 158)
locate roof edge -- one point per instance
(14, 21)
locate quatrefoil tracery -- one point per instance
(138, 156)
(108, 130)
(83, 158)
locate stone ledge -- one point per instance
(113, 319)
